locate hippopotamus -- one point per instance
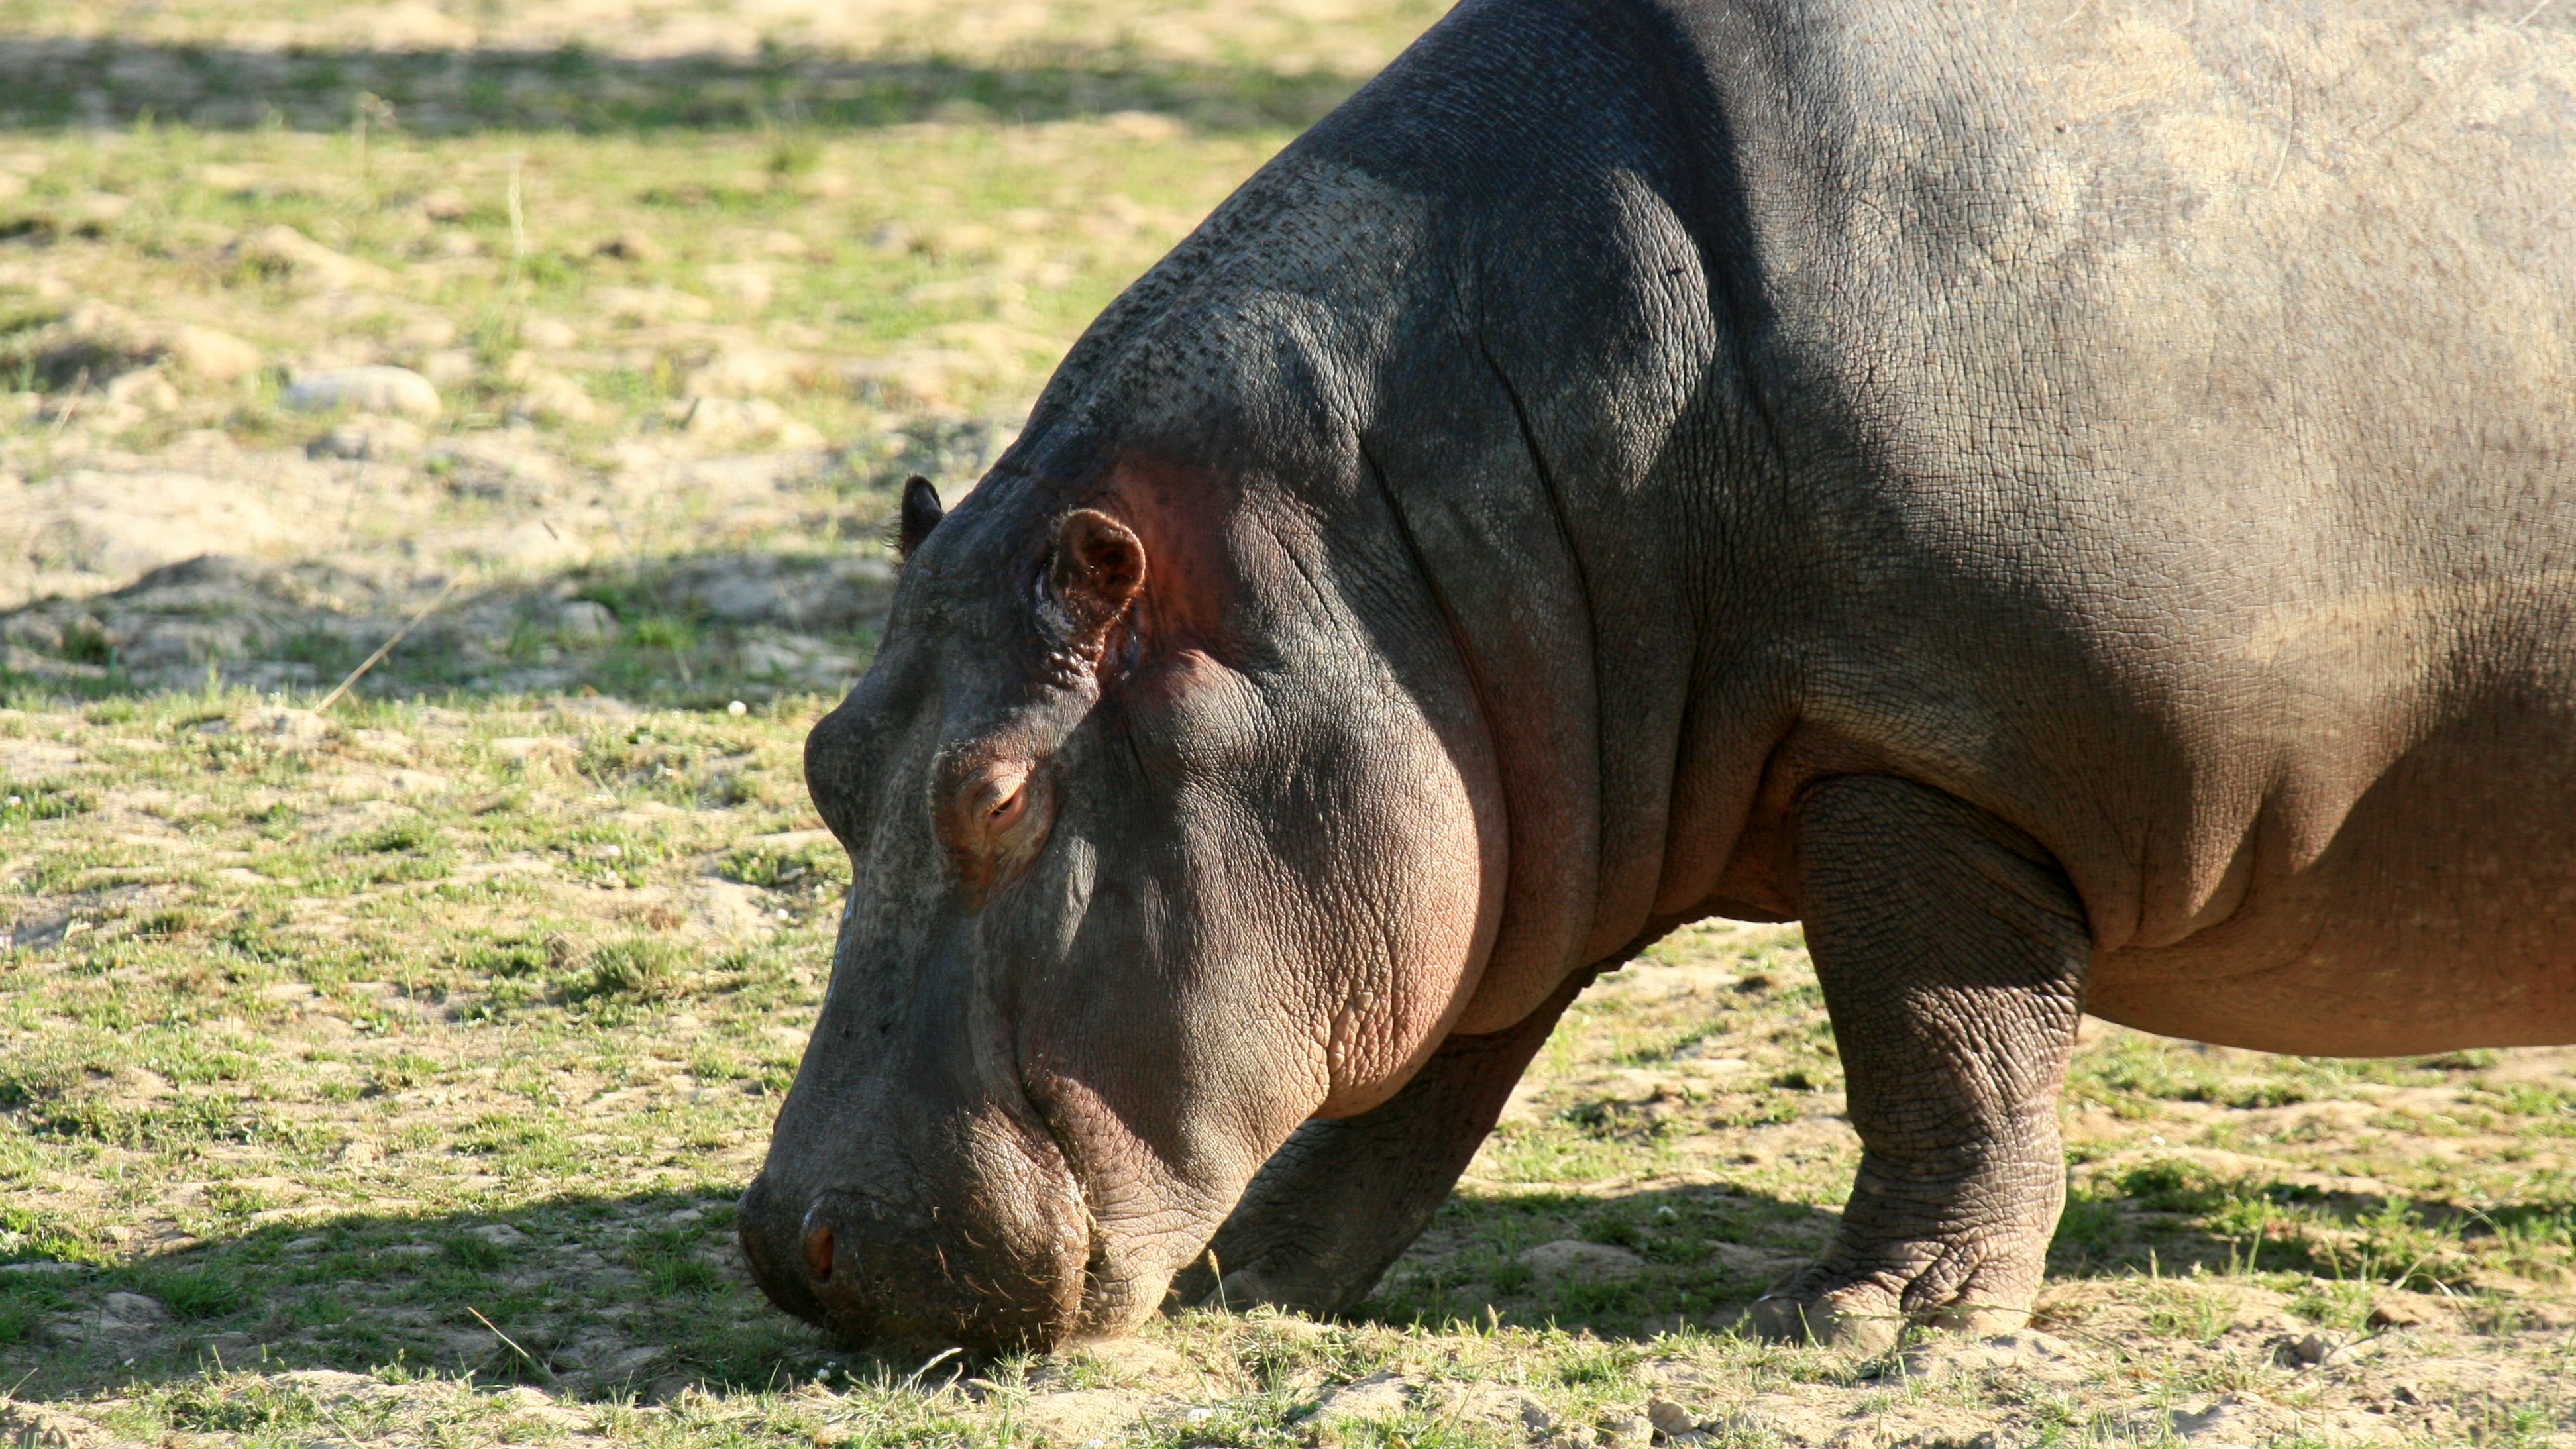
(2073, 503)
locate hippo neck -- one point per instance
(1566, 427)
(1536, 349)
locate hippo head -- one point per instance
(1170, 823)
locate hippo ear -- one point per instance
(921, 514)
(1099, 569)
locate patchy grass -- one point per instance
(370, 1078)
(390, 1077)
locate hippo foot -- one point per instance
(1868, 1316)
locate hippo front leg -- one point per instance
(1953, 955)
(1344, 1197)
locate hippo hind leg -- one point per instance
(1953, 956)
(1343, 1198)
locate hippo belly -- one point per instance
(2441, 913)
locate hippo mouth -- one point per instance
(999, 1261)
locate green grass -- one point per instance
(411, 1071)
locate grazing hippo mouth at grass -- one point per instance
(2078, 509)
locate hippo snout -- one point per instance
(905, 1272)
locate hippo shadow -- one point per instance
(692, 630)
(1635, 1265)
(640, 1296)
(644, 1296)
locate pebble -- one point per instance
(388, 390)
(283, 249)
(2312, 1348)
(1625, 1431)
(1670, 1419)
(585, 621)
(1567, 1258)
(210, 354)
(630, 246)
(134, 1309)
(1379, 1395)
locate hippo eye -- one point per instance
(992, 822)
(1000, 814)
(995, 802)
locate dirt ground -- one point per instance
(386, 1075)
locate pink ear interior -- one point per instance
(1101, 558)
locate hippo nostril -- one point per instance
(818, 1251)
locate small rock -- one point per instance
(445, 204)
(630, 246)
(370, 439)
(1567, 1257)
(1535, 1416)
(1670, 1419)
(146, 389)
(499, 1235)
(723, 420)
(306, 1244)
(231, 1346)
(585, 621)
(1625, 1431)
(207, 353)
(554, 397)
(549, 332)
(281, 250)
(388, 390)
(1380, 1395)
(2220, 1424)
(2313, 1348)
(739, 374)
(279, 721)
(133, 1310)
(2396, 1313)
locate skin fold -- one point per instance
(2078, 509)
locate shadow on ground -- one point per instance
(75, 82)
(687, 630)
(1637, 1264)
(596, 1297)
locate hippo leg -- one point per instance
(1953, 956)
(1344, 1197)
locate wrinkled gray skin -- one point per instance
(2077, 504)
